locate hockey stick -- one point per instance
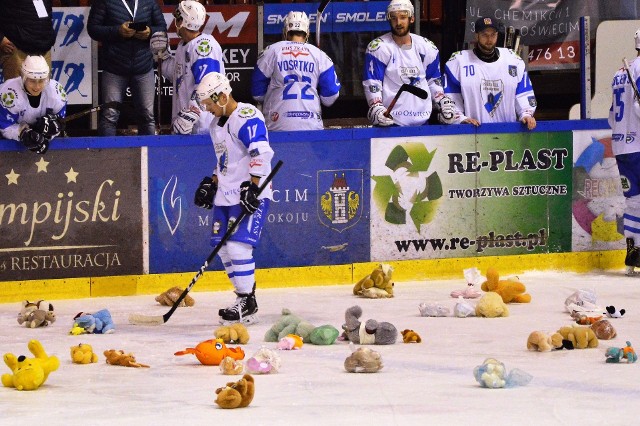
(516, 43)
(321, 7)
(636, 94)
(139, 319)
(158, 123)
(406, 87)
(509, 37)
(72, 117)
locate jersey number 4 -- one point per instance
(290, 80)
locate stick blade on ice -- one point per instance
(139, 319)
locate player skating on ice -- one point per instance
(32, 106)
(624, 119)
(241, 144)
(292, 78)
(400, 57)
(197, 55)
(489, 84)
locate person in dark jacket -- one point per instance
(26, 28)
(124, 27)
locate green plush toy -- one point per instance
(289, 323)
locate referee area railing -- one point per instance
(115, 216)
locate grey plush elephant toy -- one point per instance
(370, 332)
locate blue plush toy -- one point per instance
(618, 354)
(96, 323)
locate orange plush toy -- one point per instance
(212, 352)
(511, 290)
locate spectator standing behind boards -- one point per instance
(489, 84)
(26, 28)
(399, 57)
(197, 55)
(32, 106)
(241, 144)
(292, 78)
(624, 119)
(124, 27)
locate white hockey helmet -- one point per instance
(35, 68)
(296, 21)
(192, 13)
(211, 86)
(637, 37)
(398, 6)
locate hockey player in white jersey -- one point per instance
(292, 78)
(197, 55)
(624, 119)
(489, 84)
(241, 144)
(32, 106)
(400, 57)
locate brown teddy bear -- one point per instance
(542, 342)
(580, 337)
(511, 290)
(169, 297)
(234, 334)
(236, 394)
(410, 336)
(377, 284)
(363, 360)
(117, 357)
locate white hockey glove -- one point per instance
(377, 117)
(159, 45)
(447, 113)
(184, 122)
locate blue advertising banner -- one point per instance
(320, 213)
(337, 17)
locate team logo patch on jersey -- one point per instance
(60, 90)
(626, 186)
(492, 91)
(203, 48)
(374, 89)
(8, 99)
(254, 152)
(513, 71)
(374, 45)
(275, 116)
(247, 111)
(532, 101)
(340, 198)
(409, 73)
(300, 114)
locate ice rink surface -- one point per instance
(427, 383)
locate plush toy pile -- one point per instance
(119, 357)
(169, 297)
(377, 284)
(36, 314)
(367, 333)
(29, 373)
(236, 394)
(212, 352)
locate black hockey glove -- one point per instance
(205, 193)
(249, 197)
(49, 125)
(34, 141)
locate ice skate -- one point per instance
(244, 310)
(632, 260)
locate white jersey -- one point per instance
(490, 92)
(291, 79)
(241, 144)
(624, 115)
(388, 66)
(191, 62)
(16, 110)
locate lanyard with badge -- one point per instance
(41, 10)
(135, 9)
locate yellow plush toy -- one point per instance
(29, 373)
(542, 342)
(581, 337)
(83, 354)
(377, 284)
(511, 290)
(234, 334)
(236, 395)
(491, 305)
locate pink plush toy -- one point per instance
(290, 342)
